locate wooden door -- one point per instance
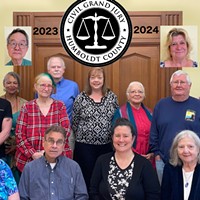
(140, 62)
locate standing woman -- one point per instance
(181, 176)
(11, 83)
(93, 111)
(35, 117)
(139, 115)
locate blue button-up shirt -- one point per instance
(66, 91)
(39, 181)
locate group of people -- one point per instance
(114, 150)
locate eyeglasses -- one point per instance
(44, 86)
(136, 92)
(59, 143)
(21, 45)
(179, 82)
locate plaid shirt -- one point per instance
(31, 126)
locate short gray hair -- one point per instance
(174, 158)
(134, 83)
(57, 57)
(57, 129)
(181, 72)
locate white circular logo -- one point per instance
(96, 33)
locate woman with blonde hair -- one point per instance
(35, 117)
(177, 49)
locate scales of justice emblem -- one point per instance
(83, 33)
(96, 33)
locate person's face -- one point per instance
(44, 87)
(178, 47)
(187, 150)
(122, 139)
(56, 69)
(180, 86)
(11, 85)
(96, 80)
(135, 94)
(17, 46)
(54, 143)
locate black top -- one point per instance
(144, 184)
(172, 183)
(5, 112)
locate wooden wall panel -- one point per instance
(140, 62)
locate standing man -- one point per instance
(66, 90)
(5, 124)
(172, 115)
(53, 176)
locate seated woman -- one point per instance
(123, 174)
(181, 176)
(8, 186)
(177, 48)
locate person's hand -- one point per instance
(10, 149)
(149, 156)
(157, 157)
(37, 155)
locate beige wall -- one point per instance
(191, 16)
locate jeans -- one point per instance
(159, 168)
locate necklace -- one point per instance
(187, 177)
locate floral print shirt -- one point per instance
(8, 185)
(119, 179)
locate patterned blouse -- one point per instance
(91, 121)
(31, 126)
(8, 185)
(119, 179)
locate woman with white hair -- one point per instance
(139, 115)
(181, 176)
